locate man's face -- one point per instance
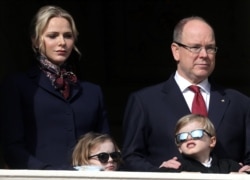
(195, 62)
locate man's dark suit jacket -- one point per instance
(151, 115)
(40, 127)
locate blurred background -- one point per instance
(126, 44)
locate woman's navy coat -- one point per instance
(40, 127)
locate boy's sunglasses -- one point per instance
(195, 134)
(104, 157)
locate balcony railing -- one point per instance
(105, 175)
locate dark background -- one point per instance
(126, 44)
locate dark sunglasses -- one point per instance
(104, 157)
(195, 134)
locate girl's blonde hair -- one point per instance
(82, 149)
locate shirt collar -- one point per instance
(208, 163)
(184, 84)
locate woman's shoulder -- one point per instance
(90, 86)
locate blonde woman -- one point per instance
(49, 106)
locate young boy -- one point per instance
(195, 138)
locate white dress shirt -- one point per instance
(189, 94)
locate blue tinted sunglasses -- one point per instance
(195, 134)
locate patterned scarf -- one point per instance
(59, 76)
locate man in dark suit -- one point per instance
(151, 113)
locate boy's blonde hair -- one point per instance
(205, 121)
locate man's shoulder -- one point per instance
(235, 93)
(157, 86)
(151, 89)
(230, 92)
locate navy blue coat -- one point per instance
(40, 127)
(151, 115)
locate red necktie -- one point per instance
(198, 106)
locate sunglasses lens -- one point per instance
(181, 137)
(115, 156)
(103, 157)
(197, 134)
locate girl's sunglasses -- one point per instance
(104, 157)
(195, 134)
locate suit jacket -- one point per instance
(40, 128)
(188, 164)
(151, 115)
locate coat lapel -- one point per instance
(175, 98)
(217, 105)
(38, 77)
(74, 90)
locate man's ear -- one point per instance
(175, 51)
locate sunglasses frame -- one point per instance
(178, 141)
(103, 157)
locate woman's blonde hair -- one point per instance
(82, 149)
(41, 20)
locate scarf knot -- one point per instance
(61, 78)
(63, 81)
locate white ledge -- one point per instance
(104, 175)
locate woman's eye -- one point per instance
(52, 36)
(68, 36)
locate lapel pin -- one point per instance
(222, 100)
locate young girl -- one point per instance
(96, 150)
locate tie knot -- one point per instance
(194, 88)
